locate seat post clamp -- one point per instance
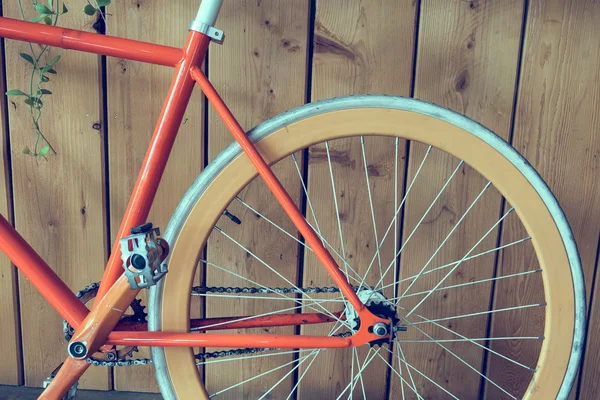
(215, 34)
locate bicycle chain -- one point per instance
(204, 290)
(266, 290)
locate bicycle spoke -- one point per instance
(395, 218)
(464, 362)
(448, 236)
(365, 364)
(479, 345)
(294, 299)
(352, 371)
(480, 313)
(469, 339)
(457, 261)
(362, 383)
(333, 331)
(312, 210)
(268, 266)
(422, 374)
(471, 283)
(260, 375)
(400, 368)
(296, 239)
(414, 386)
(337, 211)
(460, 262)
(303, 374)
(285, 376)
(422, 218)
(364, 157)
(402, 380)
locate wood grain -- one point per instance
(259, 72)
(59, 203)
(359, 47)
(467, 58)
(136, 92)
(591, 363)
(457, 67)
(556, 129)
(11, 370)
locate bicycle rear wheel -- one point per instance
(459, 312)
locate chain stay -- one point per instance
(204, 290)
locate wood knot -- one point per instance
(326, 45)
(373, 170)
(462, 82)
(122, 66)
(290, 45)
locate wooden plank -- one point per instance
(11, 370)
(25, 393)
(556, 129)
(59, 203)
(136, 92)
(591, 364)
(260, 72)
(457, 67)
(358, 48)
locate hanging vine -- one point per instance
(43, 67)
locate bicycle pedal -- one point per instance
(142, 254)
(71, 393)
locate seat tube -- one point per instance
(158, 152)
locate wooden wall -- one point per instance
(527, 69)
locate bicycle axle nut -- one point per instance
(380, 329)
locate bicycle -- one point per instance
(371, 312)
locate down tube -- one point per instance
(40, 275)
(158, 152)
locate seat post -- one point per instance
(206, 18)
(208, 11)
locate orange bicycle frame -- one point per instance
(100, 326)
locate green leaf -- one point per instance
(47, 20)
(45, 78)
(25, 150)
(89, 10)
(45, 91)
(16, 92)
(27, 58)
(44, 150)
(38, 18)
(28, 101)
(51, 71)
(65, 9)
(103, 3)
(53, 61)
(42, 9)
